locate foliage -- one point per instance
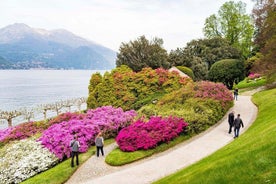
(106, 119)
(250, 83)
(233, 24)
(201, 105)
(147, 135)
(216, 91)
(187, 71)
(252, 157)
(130, 90)
(29, 129)
(143, 53)
(201, 54)
(24, 159)
(228, 71)
(265, 21)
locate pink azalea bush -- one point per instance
(253, 76)
(28, 129)
(107, 119)
(216, 91)
(145, 135)
(4, 133)
(19, 132)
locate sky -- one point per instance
(113, 22)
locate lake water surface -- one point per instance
(30, 88)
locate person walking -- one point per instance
(99, 142)
(231, 118)
(236, 93)
(74, 145)
(237, 125)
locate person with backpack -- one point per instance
(74, 145)
(99, 142)
(237, 125)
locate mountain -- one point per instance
(23, 47)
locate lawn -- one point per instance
(249, 159)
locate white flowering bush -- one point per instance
(24, 159)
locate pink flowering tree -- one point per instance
(146, 135)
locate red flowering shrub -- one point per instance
(146, 135)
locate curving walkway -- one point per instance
(95, 171)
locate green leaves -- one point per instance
(142, 53)
(233, 24)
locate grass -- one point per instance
(249, 159)
(118, 157)
(250, 84)
(63, 171)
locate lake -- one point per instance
(30, 88)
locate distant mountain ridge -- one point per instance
(23, 47)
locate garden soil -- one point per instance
(95, 171)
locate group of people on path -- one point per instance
(235, 123)
(75, 145)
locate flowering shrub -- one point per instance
(146, 135)
(107, 119)
(253, 76)
(24, 159)
(29, 129)
(216, 91)
(21, 131)
(4, 133)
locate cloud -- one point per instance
(111, 22)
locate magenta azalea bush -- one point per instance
(106, 119)
(145, 135)
(19, 132)
(253, 76)
(216, 91)
(5, 133)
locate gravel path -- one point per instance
(95, 171)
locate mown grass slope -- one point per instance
(249, 159)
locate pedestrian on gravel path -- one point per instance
(236, 93)
(231, 118)
(237, 125)
(99, 142)
(74, 145)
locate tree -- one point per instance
(143, 53)
(264, 14)
(233, 24)
(227, 71)
(201, 54)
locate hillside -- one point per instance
(24, 47)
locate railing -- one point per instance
(28, 114)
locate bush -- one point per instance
(146, 135)
(187, 71)
(107, 119)
(227, 71)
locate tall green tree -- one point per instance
(264, 14)
(142, 53)
(201, 54)
(233, 24)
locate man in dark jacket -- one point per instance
(231, 118)
(237, 125)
